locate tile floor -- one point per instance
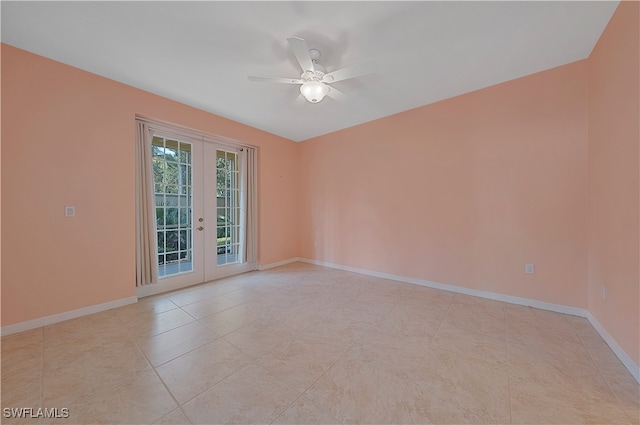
(302, 344)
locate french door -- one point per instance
(199, 205)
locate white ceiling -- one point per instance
(200, 53)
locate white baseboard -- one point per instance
(279, 263)
(633, 368)
(60, 317)
(559, 308)
(627, 361)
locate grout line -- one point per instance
(181, 410)
(153, 369)
(599, 371)
(286, 408)
(222, 335)
(42, 371)
(187, 352)
(288, 386)
(506, 344)
(312, 383)
(217, 383)
(444, 315)
(320, 377)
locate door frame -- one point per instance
(211, 143)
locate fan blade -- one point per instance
(301, 52)
(336, 94)
(276, 80)
(351, 71)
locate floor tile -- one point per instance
(94, 328)
(302, 411)
(234, 318)
(177, 417)
(557, 323)
(300, 317)
(194, 372)
(300, 361)
(606, 361)
(463, 341)
(193, 294)
(255, 339)
(411, 321)
(134, 398)
(249, 396)
(306, 344)
(150, 325)
(95, 361)
(145, 307)
(524, 362)
(586, 332)
(339, 331)
(587, 400)
(248, 293)
(627, 390)
(423, 297)
(364, 386)
(22, 352)
(167, 346)
(22, 389)
(560, 340)
(477, 315)
(209, 306)
(474, 380)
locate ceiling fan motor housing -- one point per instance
(312, 75)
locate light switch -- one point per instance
(69, 211)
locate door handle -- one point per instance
(200, 228)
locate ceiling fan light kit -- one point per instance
(314, 79)
(314, 91)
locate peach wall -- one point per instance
(462, 192)
(68, 139)
(614, 186)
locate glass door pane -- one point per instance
(173, 177)
(227, 208)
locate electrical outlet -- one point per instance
(529, 268)
(69, 211)
(603, 292)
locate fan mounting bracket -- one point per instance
(314, 54)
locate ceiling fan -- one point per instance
(314, 80)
